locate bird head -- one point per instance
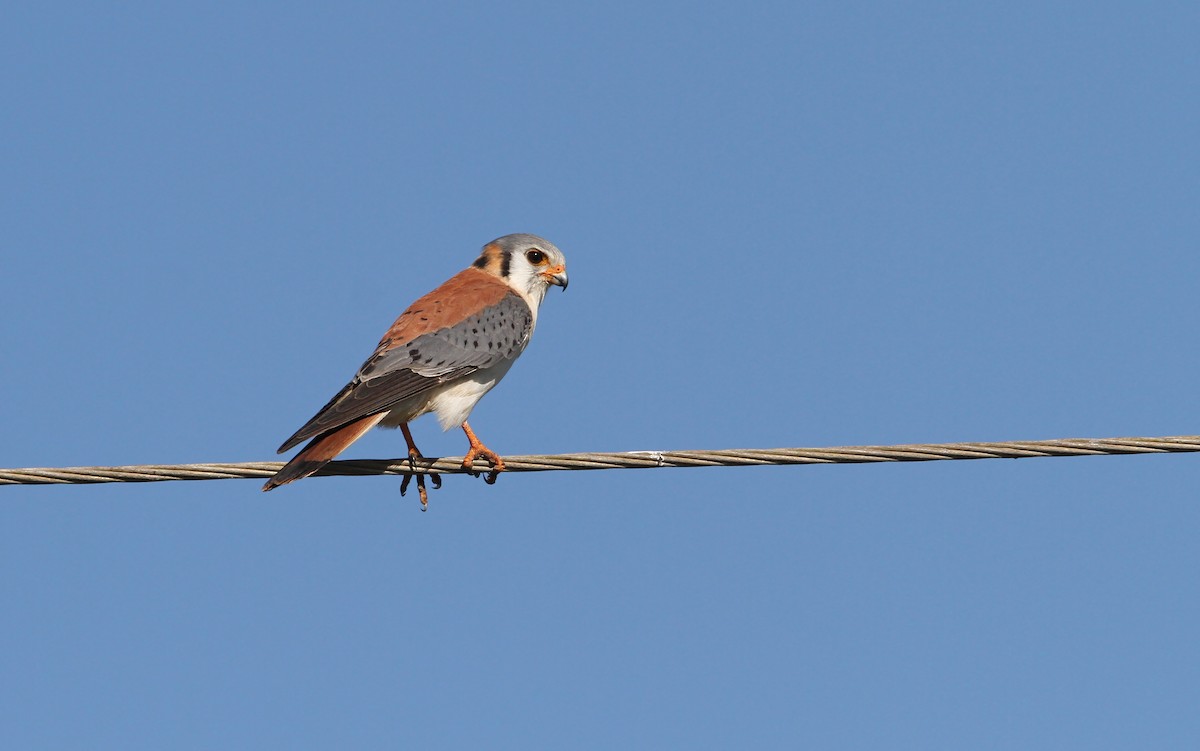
(527, 263)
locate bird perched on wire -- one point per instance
(441, 355)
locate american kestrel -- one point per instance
(441, 355)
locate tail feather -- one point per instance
(321, 450)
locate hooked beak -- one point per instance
(556, 276)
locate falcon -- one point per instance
(441, 355)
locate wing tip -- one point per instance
(321, 450)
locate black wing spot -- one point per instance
(414, 353)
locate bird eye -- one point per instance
(536, 257)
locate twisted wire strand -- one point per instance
(916, 452)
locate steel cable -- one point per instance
(917, 452)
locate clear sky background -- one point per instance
(786, 224)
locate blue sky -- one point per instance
(785, 224)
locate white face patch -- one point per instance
(524, 275)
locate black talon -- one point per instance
(408, 476)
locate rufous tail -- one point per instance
(321, 450)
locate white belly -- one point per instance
(451, 402)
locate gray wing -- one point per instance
(399, 371)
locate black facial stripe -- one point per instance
(481, 262)
(505, 263)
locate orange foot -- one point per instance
(413, 455)
(478, 449)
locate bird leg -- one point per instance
(413, 455)
(478, 449)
